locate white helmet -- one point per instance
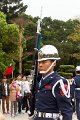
(48, 52)
(78, 68)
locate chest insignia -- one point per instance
(47, 86)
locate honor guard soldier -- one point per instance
(52, 96)
(76, 91)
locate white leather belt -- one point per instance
(77, 88)
(46, 115)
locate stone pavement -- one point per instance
(18, 117)
(25, 117)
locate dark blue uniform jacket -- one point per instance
(45, 100)
(76, 86)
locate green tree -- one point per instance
(8, 37)
(74, 37)
(12, 8)
(25, 34)
(56, 32)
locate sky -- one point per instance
(56, 9)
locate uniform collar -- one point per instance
(47, 75)
(47, 79)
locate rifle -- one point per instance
(35, 65)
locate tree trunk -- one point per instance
(20, 52)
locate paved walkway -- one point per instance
(18, 117)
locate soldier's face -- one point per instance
(44, 65)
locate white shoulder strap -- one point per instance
(66, 92)
(72, 81)
(54, 88)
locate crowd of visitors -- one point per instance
(15, 95)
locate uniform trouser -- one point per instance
(13, 107)
(78, 108)
(73, 105)
(5, 98)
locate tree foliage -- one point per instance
(8, 36)
(63, 35)
(74, 37)
(57, 33)
(12, 8)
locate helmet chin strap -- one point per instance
(44, 72)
